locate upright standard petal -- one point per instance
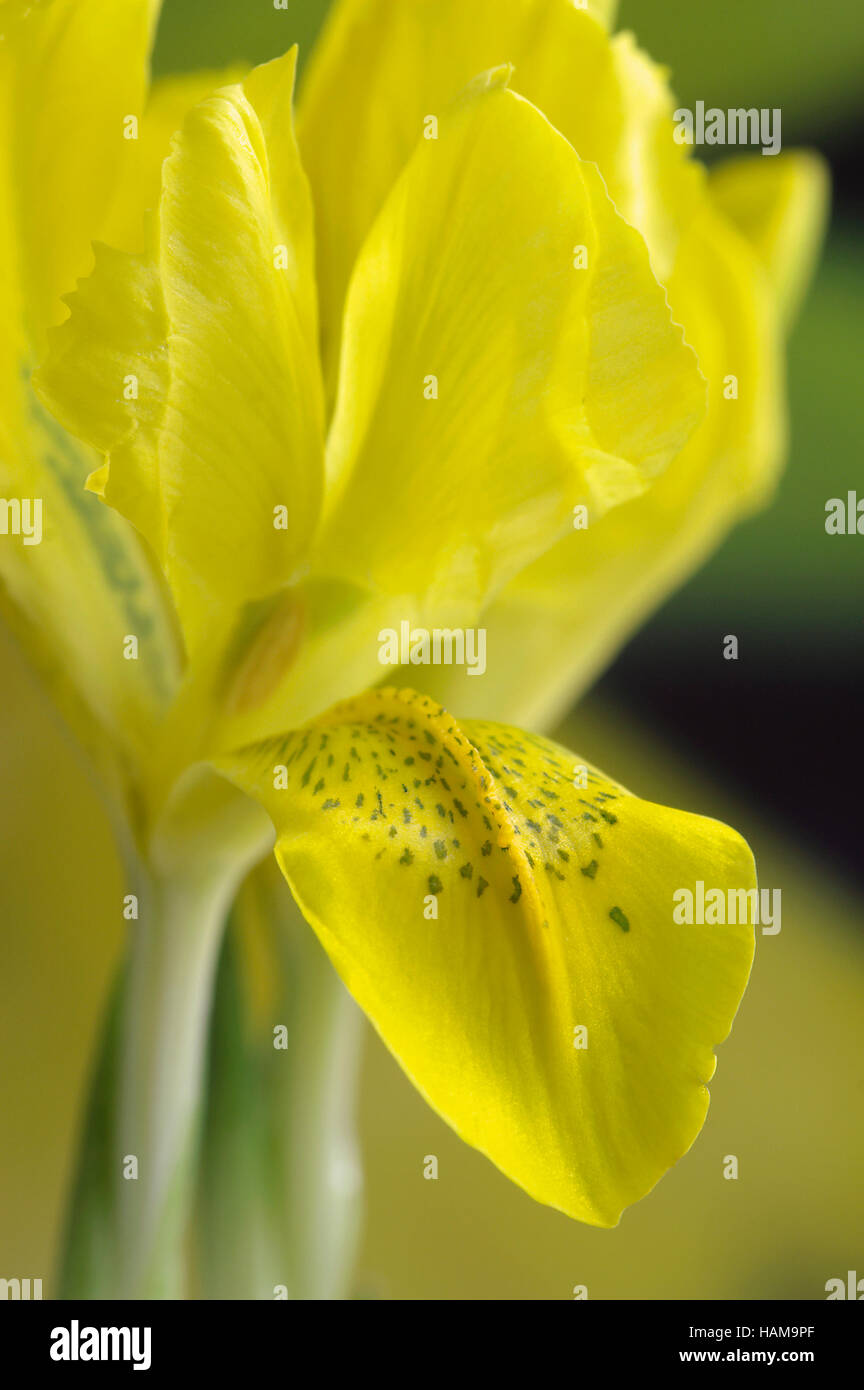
(139, 184)
(383, 72)
(569, 612)
(216, 453)
(781, 206)
(508, 355)
(74, 78)
(505, 916)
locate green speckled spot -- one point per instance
(619, 918)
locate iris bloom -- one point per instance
(328, 380)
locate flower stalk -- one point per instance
(131, 1207)
(314, 1101)
(280, 1185)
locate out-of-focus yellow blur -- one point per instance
(786, 1099)
(61, 933)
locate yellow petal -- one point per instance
(605, 10)
(291, 658)
(137, 187)
(780, 204)
(79, 585)
(489, 382)
(73, 77)
(75, 596)
(512, 936)
(382, 69)
(219, 458)
(569, 612)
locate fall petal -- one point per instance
(511, 936)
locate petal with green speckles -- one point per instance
(484, 908)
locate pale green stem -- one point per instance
(280, 1185)
(171, 965)
(131, 1208)
(315, 1090)
(280, 1194)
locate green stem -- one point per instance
(315, 1092)
(130, 1212)
(171, 967)
(280, 1193)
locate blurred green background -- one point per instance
(770, 743)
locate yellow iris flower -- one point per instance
(366, 373)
